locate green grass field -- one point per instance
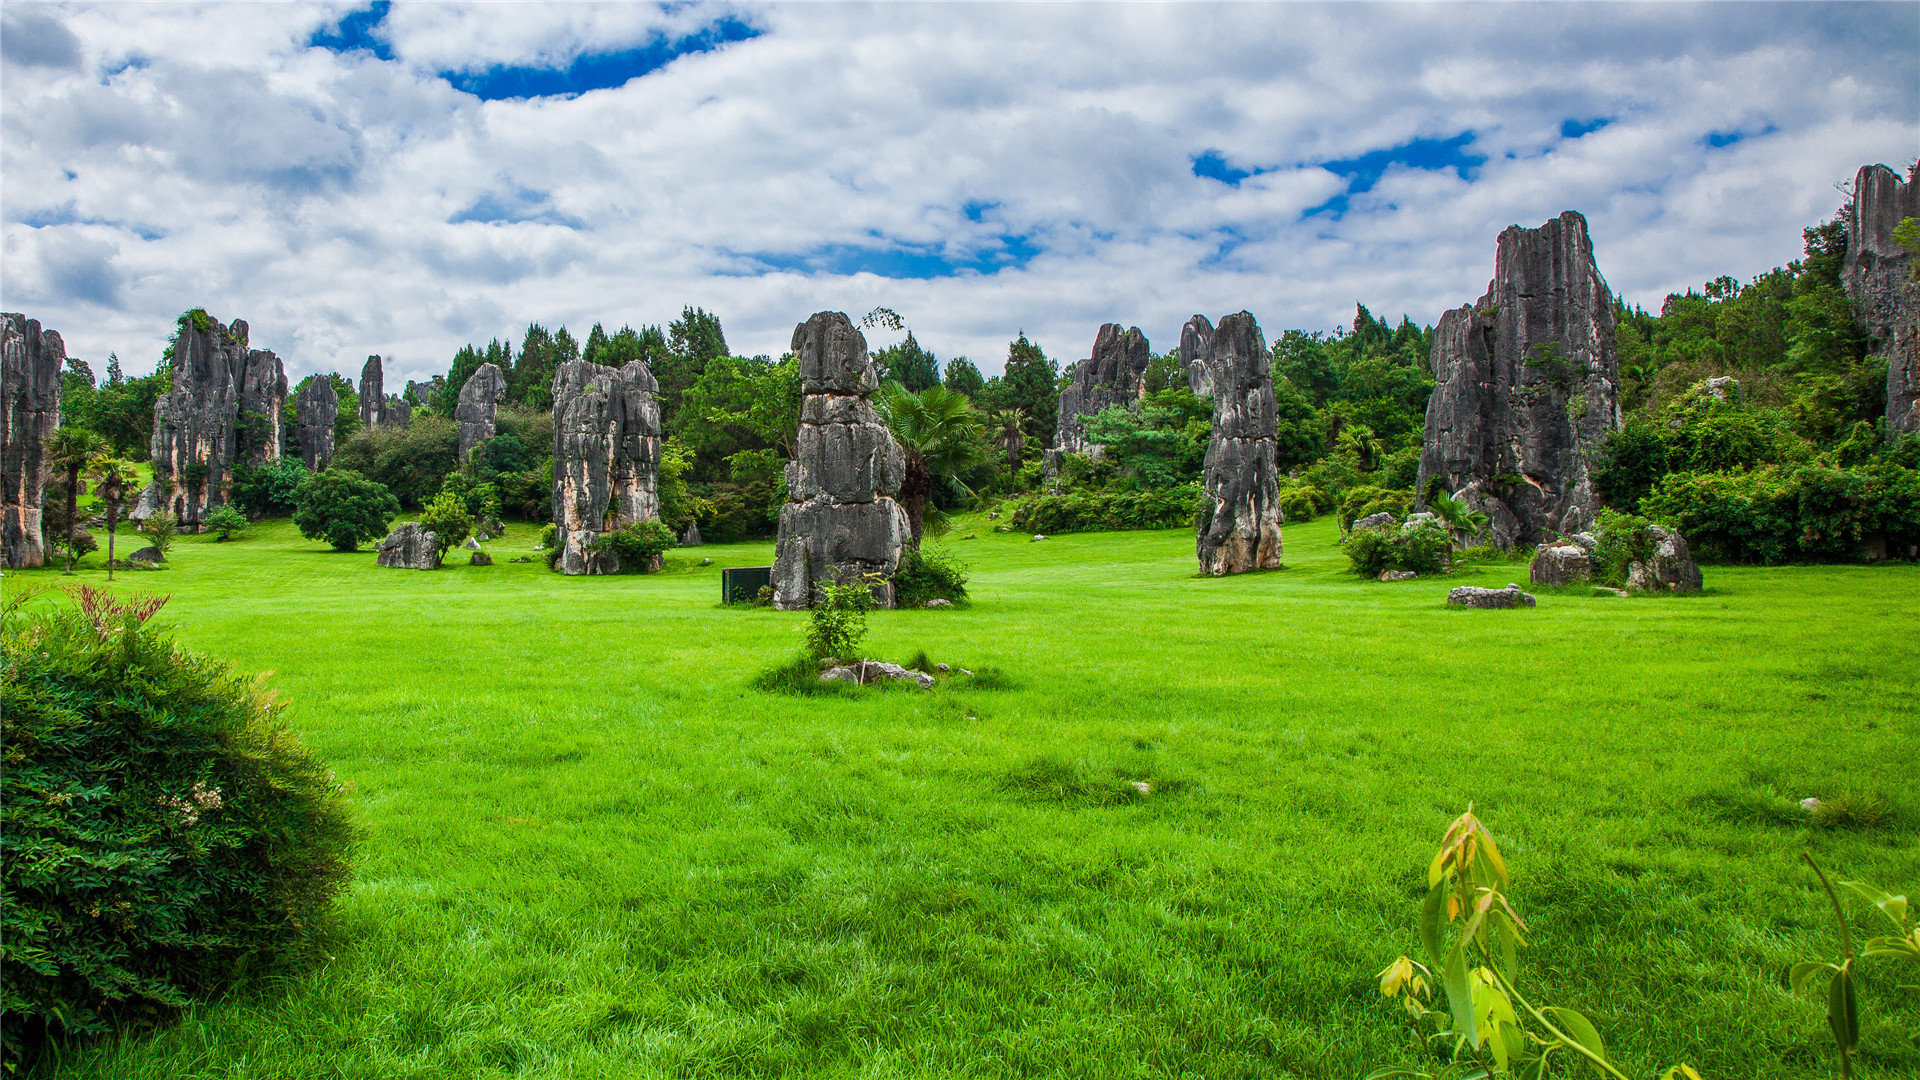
(593, 850)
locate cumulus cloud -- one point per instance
(352, 180)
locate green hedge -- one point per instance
(1094, 511)
(1815, 513)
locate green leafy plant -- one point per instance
(1620, 541)
(839, 618)
(638, 546)
(926, 575)
(267, 489)
(1461, 520)
(160, 528)
(111, 478)
(448, 519)
(1366, 501)
(344, 508)
(226, 522)
(1422, 546)
(1843, 1005)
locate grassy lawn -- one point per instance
(592, 850)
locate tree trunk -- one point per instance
(73, 511)
(113, 522)
(913, 496)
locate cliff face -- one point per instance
(1115, 374)
(1878, 278)
(225, 407)
(1241, 474)
(31, 362)
(606, 458)
(1528, 385)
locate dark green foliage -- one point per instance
(1164, 444)
(928, 574)
(343, 508)
(1031, 383)
(962, 377)
(1083, 511)
(267, 489)
(226, 522)
(1367, 501)
(1622, 540)
(166, 835)
(448, 519)
(912, 366)
(119, 409)
(1784, 514)
(637, 545)
(1301, 502)
(413, 461)
(1422, 547)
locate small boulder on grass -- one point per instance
(1475, 597)
(147, 556)
(865, 672)
(480, 558)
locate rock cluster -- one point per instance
(606, 458)
(315, 408)
(841, 521)
(1878, 279)
(1241, 475)
(1475, 597)
(410, 547)
(1196, 339)
(1381, 520)
(478, 405)
(1670, 568)
(872, 671)
(1528, 385)
(690, 536)
(31, 362)
(226, 406)
(1115, 374)
(1560, 563)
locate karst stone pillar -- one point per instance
(1241, 476)
(840, 522)
(1115, 374)
(1528, 386)
(225, 407)
(1878, 279)
(478, 405)
(373, 394)
(315, 409)
(31, 362)
(606, 458)
(1196, 338)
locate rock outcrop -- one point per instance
(1241, 475)
(690, 536)
(31, 362)
(373, 394)
(409, 547)
(606, 458)
(226, 406)
(840, 521)
(1475, 597)
(1561, 563)
(1669, 568)
(425, 394)
(1381, 520)
(1878, 277)
(865, 672)
(1115, 374)
(315, 408)
(1528, 385)
(479, 403)
(1196, 339)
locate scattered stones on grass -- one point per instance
(1141, 787)
(1608, 590)
(472, 544)
(1241, 474)
(1475, 597)
(148, 555)
(1036, 536)
(521, 558)
(1116, 374)
(606, 458)
(865, 672)
(31, 363)
(1398, 575)
(1528, 386)
(315, 409)
(410, 547)
(480, 558)
(478, 406)
(1381, 520)
(939, 603)
(706, 562)
(1670, 568)
(1878, 278)
(1560, 563)
(227, 405)
(1810, 804)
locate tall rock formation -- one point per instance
(315, 408)
(479, 403)
(1241, 475)
(31, 362)
(840, 521)
(1115, 374)
(606, 457)
(1196, 338)
(226, 406)
(373, 394)
(399, 411)
(1528, 385)
(1878, 277)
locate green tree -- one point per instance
(226, 523)
(69, 450)
(1008, 429)
(448, 519)
(160, 529)
(941, 438)
(912, 366)
(963, 378)
(344, 508)
(112, 477)
(1031, 384)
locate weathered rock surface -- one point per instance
(399, 411)
(1720, 386)
(410, 547)
(227, 405)
(1528, 385)
(424, 394)
(840, 521)
(1376, 521)
(872, 671)
(1398, 575)
(1241, 475)
(31, 362)
(480, 558)
(472, 544)
(1669, 569)
(373, 394)
(1878, 279)
(1115, 374)
(478, 405)
(149, 555)
(1475, 597)
(315, 408)
(606, 458)
(1196, 340)
(690, 536)
(1560, 564)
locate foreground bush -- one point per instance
(639, 546)
(1811, 512)
(165, 832)
(1423, 546)
(1085, 511)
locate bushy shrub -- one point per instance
(1082, 511)
(226, 522)
(1423, 547)
(637, 545)
(448, 519)
(839, 620)
(160, 529)
(1812, 512)
(1302, 502)
(344, 508)
(269, 489)
(1622, 539)
(926, 575)
(1366, 501)
(413, 461)
(165, 831)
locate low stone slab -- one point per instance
(1560, 564)
(148, 555)
(1398, 575)
(1475, 597)
(872, 671)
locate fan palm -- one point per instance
(1009, 431)
(940, 437)
(1359, 443)
(111, 477)
(1462, 520)
(69, 450)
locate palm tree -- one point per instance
(111, 477)
(1462, 520)
(1009, 429)
(940, 436)
(1359, 442)
(70, 449)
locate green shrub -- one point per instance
(226, 522)
(344, 508)
(1423, 547)
(549, 537)
(637, 545)
(271, 489)
(839, 620)
(1780, 514)
(160, 529)
(1622, 539)
(1084, 511)
(1366, 501)
(165, 833)
(1302, 502)
(448, 519)
(928, 575)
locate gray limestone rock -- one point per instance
(399, 412)
(424, 394)
(1475, 597)
(1878, 279)
(31, 362)
(479, 403)
(1196, 340)
(606, 458)
(149, 555)
(373, 394)
(1381, 520)
(226, 406)
(872, 671)
(472, 544)
(1669, 569)
(1720, 386)
(1528, 385)
(1398, 575)
(409, 547)
(315, 408)
(480, 558)
(840, 521)
(1114, 375)
(690, 536)
(1560, 564)
(1241, 475)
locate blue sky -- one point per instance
(360, 178)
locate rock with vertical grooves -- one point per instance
(399, 411)
(1878, 277)
(840, 521)
(1116, 374)
(31, 362)
(1528, 386)
(478, 404)
(1668, 567)
(1196, 338)
(1241, 475)
(373, 394)
(315, 409)
(1560, 563)
(690, 536)
(409, 547)
(226, 406)
(606, 458)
